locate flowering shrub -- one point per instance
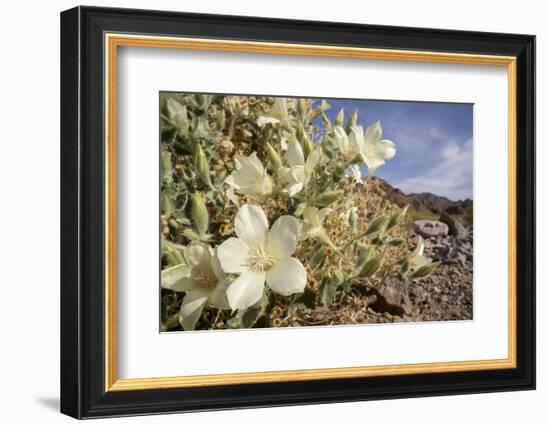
(258, 213)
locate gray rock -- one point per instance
(430, 228)
(455, 228)
(417, 294)
(392, 297)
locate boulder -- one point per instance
(455, 228)
(392, 297)
(430, 228)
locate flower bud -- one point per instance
(358, 160)
(326, 121)
(425, 270)
(273, 156)
(339, 170)
(396, 242)
(304, 138)
(200, 214)
(166, 205)
(397, 217)
(166, 165)
(339, 121)
(302, 109)
(376, 225)
(352, 220)
(327, 198)
(221, 120)
(300, 209)
(203, 169)
(327, 150)
(352, 121)
(308, 146)
(371, 266)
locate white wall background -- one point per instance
(29, 213)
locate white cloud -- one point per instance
(451, 174)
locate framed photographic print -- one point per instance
(261, 212)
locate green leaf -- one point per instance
(327, 198)
(397, 217)
(305, 301)
(166, 166)
(329, 286)
(365, 254)
(396, 242)
(376, 225)
(371, 266)
(245, 319)
(318, 258)
(425, 270)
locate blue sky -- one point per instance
(434, 143)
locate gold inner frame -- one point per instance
(113, 41)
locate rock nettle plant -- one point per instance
(262, 216)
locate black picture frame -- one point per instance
(83, 392)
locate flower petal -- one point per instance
(216, 267)
(295, 188)
(287, 277)
(232, 254)
(218, 296)
(198, 255)
(280, 109)
(263, 120)
(386, 149)
(283, 236)
(311, 215)
(373, 133)
(176, 278)
(295, 154)
(191, 309)
(298, 174)
(323, 214)
(374, 163)
(251, 226)
(356, 138)
(312, 160)
(246, 290)
(341, 138)
(253, 162)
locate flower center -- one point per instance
(204, 279)
(260, 260)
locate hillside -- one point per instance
(425, 205)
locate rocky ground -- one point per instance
(447, 294)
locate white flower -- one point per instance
(354, 172)
(298, 175)
(312, 224)
(261, 255)
(417, 259)
(277, 114)
(374, 151)
(347, 149)
(250, 177)
(201, 278)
